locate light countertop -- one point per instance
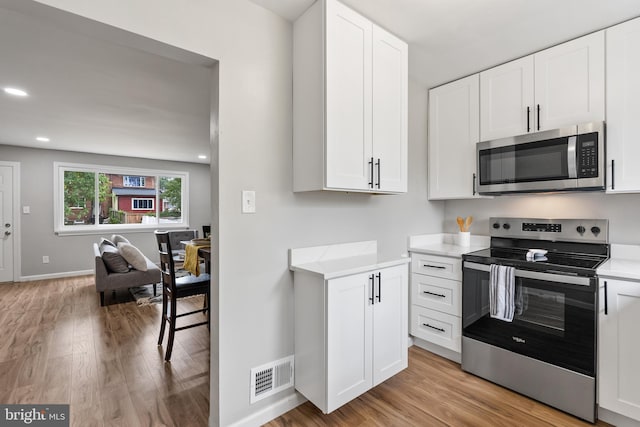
(624, 263)
(444, 244)
(332, 261)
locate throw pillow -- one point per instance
(105, 242)
(112, 259)
(133, 256)
(117, 238)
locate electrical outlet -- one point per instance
(45, 259)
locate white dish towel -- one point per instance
(502, 292)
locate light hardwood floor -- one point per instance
(57, 345)
(433, 391)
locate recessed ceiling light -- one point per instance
(42, 139)
(202, 156)
(15, 91)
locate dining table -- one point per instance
(193, 253)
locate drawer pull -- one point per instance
(433, 293)
(433, 327)
(434, 266)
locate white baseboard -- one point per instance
(272, 411)
(616, 419)
(440, 351)
(55, 275)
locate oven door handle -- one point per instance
(537, 275)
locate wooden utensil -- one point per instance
(460, 222)
(467, 223)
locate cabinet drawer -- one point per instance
(436, 293)
(438, 328)
(431, 265)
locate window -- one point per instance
(133, 181)
(91, 198)
(142, 204)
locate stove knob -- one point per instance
(496, 225)
(506, 226)
(595, 230)
(580, 229)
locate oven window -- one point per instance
(534, 161)
(540, 309)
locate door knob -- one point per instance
(7, 233)
(7, 225)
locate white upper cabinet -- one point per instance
(569, 83)
(560, 86)
(506, 99)
(623, 107)
(453, 134)
(350, 95)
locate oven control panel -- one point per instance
(570, 230)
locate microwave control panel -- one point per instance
(587, 149)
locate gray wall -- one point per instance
(75, 253)
(619, 209)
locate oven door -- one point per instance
(555, 318)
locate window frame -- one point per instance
(60, 228)
(125, 181)
(146, 199)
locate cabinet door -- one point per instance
(619, 347)
(349, 339)
(390, 322)
(390, 91)
(623, 106)
(569, 82)
(348, 98)
(506, 100)
(453, 133)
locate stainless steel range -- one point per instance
(529, 309)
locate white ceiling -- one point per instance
(92, 95)
(449, 39)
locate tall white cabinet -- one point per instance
(623, 107)
(453, 134)
(619, 347)
(351, 325)
(560, 86)
(350, 99)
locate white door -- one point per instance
(390, 92)
(348, 98)
(623, 106)
(506, 100)
(619, 347)
(454, 130)
(6, 224)
(390, 323)
(569, 83)
(349, 344)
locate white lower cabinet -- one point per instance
(436, 300)
(619, 347)
(350, 333)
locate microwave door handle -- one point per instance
(572, 159)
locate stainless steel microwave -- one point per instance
(566, 159)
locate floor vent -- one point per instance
(271, 378)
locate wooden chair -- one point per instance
(174, 288)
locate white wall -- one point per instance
(619, 209)
(254, 151)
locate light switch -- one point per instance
(26, 209)
(248, 201)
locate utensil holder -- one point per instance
(463, 238)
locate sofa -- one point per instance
(106, 279)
